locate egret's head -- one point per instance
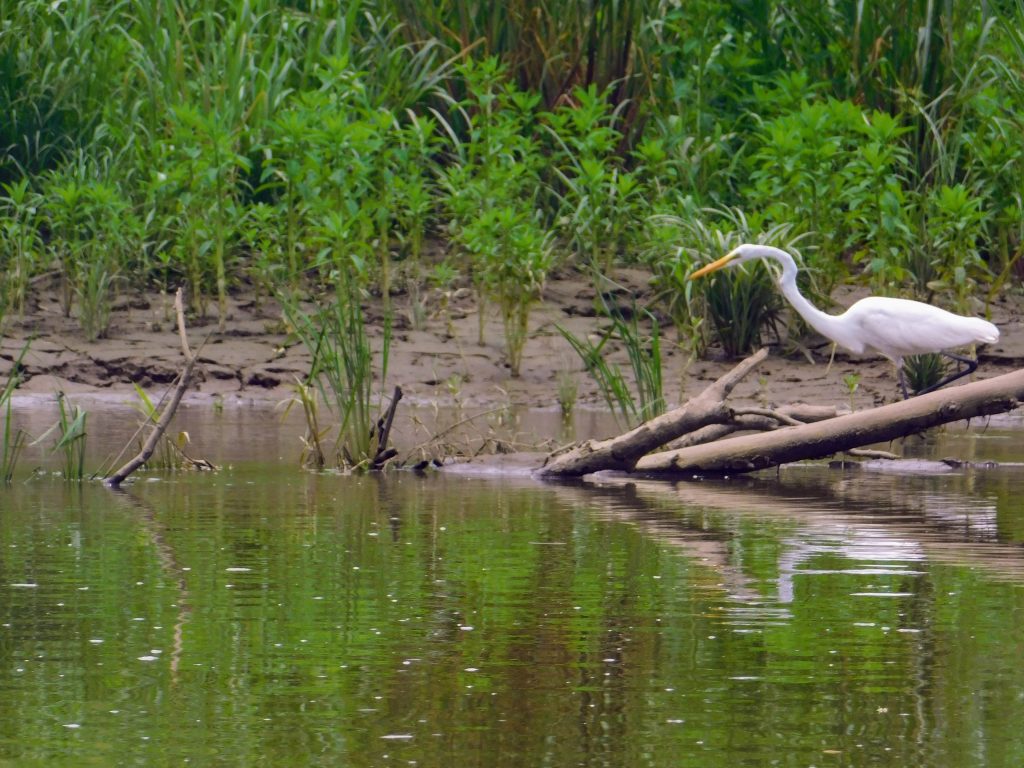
(737, 255)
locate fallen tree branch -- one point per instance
(164, 421)
(623, 452)
(756, 420)
(778, 416)
(815, 441)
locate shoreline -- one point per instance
(255, 364)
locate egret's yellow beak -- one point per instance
(714, 266)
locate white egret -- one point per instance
(894, 328)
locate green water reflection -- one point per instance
(260, 616)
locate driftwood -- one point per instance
(623, 452)
(854, 430)
(698, 426)
(164, 421)
(757, 420)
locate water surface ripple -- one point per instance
(259, 616)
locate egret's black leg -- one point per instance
(903, 380)
(971, 363)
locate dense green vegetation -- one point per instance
(297, 146)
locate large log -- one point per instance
(622, 452)
(824, 438)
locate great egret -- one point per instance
(894, 328)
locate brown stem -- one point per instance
(164, 421)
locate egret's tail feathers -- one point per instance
(989, 333)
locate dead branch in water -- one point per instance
(695, 431)
(757, 420)
(824, 438)
(383, 428)
(624, 451)
(164, 421)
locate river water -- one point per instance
(261, 615)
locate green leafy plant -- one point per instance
(955, 223)
(598, 197)
(490, 192)
(93, 232)
(513, 256)
(204, 173)
(797, 170)
(266, 263)
(881, 232)
(852, 383)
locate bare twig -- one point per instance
(434, 439)
(165, 418)
(768, 413)
(756, 420)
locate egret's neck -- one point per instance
(827, 325)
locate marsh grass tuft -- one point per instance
(644, 353)
(94, 291)
(70, 443)
(342, 372)
(313, 456)
(923, 371)
(741, 302)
